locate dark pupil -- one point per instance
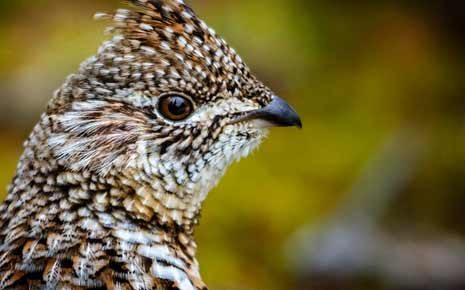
(177, 106)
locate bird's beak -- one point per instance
(278, 113)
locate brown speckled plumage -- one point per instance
(109, 189)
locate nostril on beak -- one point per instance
(280, 113)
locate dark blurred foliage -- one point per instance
(358, 72)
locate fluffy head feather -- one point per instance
(106, 117)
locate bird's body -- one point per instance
(111, 182)
(67, 230)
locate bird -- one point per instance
(109, 188)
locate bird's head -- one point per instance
(165, 106)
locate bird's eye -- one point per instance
(175, 107)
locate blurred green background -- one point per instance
(360, 74)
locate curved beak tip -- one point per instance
(280, 113)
